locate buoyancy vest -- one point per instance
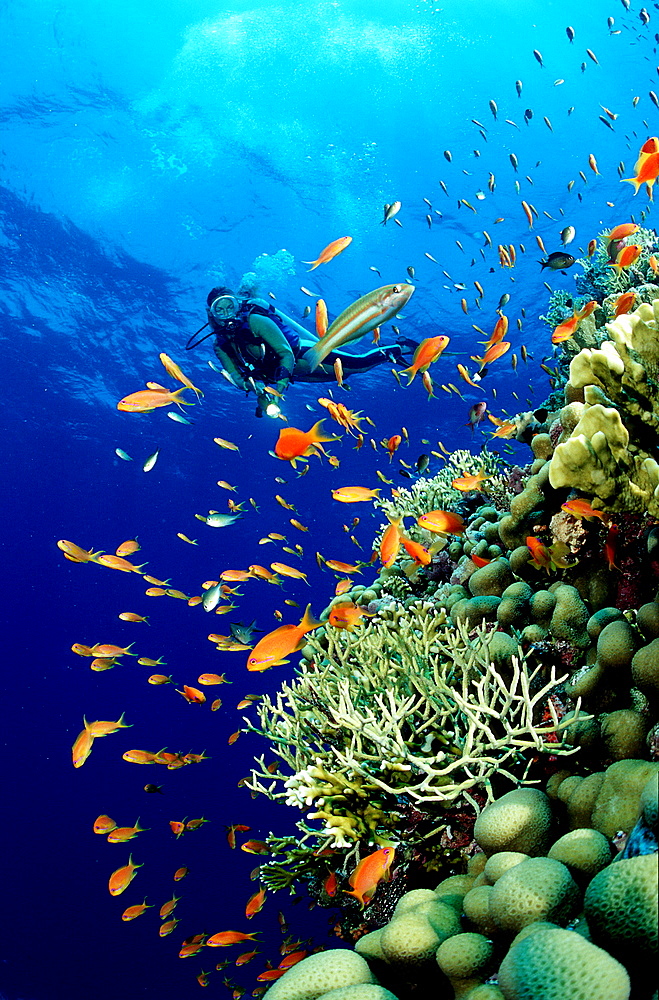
(236, 339)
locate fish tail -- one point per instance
(308, 621)
(313, 356)
(411, 373)
(631, 180)
(314, 262)
(317, 436)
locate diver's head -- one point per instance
(223, 307)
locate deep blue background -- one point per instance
(150, 151)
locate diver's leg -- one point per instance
(352, 364)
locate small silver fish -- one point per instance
(390, 211)
(217, 520)
(567, 235)
(178, 417)
(122, 454)
(151, 461)
(211, 597)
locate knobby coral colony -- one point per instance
(528, 645)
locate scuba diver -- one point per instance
(254, 342)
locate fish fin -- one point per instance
(308, 621)
(631, 180)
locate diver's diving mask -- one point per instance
(224, 309)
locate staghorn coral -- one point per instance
(406, 711)
(599, 279)
(436, 492)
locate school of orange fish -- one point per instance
(297, 446)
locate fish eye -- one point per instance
(395, 289)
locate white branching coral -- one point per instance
(436, 492)
(407, 712)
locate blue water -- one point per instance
(149, 153)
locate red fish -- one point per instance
(255, 904)
(610, 547)
(390, 544)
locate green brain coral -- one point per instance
(556, 964)
(318, 974)
(621, 908)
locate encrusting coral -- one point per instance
(610, 452)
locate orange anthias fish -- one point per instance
(354, 494)
(393, 444)
(494, 352)
(341, 567)
(118, 562)
(499, 332)
(294, 443)
(224, 938)
(136, 911)
(626, 256)
(332, 249)
(231, 833)
(567, 329)
(390, 544)
(347, 616)
(74, 553)
(173, 369)
(622, 231)
(348, 419)
(416, 551)
(192, 695)
(369, 873)
(426, 353)
(623, 304)
(581, 508)
(121, 834)
(255, 904)
(147, 400)
(122, 877)
(192, 945)
(102, 728)
(82, 747)
(442, 522)
(128, 548)
(255, 847)
(646, 168)
(540, 555)
(169, 906)
(273, 648)
(467, 483)
(103, 824)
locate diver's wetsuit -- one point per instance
(263, 345)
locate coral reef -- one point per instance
(526, 653)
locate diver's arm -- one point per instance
(230, 368)
(270, 334)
